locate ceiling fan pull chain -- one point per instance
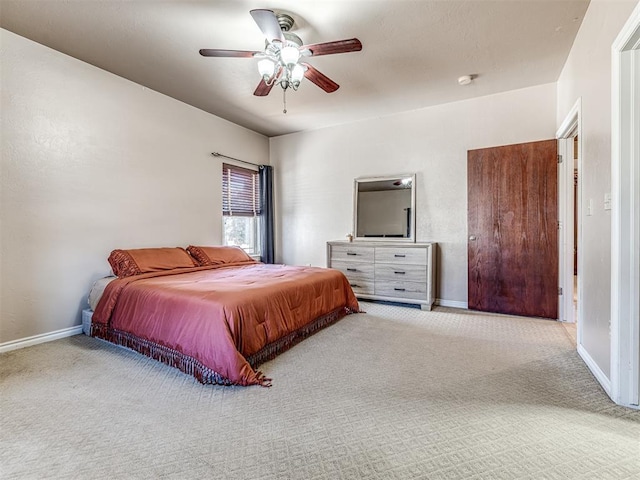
(284, 100)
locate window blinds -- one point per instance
(240, 191)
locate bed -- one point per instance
(213, 312)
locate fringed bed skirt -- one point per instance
(202, 373)
(169, 356)
(272, 350)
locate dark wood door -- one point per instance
(513, 229)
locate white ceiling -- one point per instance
(413, 51)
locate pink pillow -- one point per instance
(219, 255)
(126, 263)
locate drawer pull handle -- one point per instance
(352, 269)
(399, 273)
(398, 255)
(351, 253)
(399, 289)
(354, 285)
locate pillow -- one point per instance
(219, 255)
(144, 260)
(97, 290)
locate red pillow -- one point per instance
(126, 263)
(219, 255)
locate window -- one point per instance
(241, 208)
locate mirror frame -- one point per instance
(359, 180)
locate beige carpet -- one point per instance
(396, 393)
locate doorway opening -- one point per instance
(569, 209)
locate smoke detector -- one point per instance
(465, 79)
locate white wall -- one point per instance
(587, 75)
(92, 162)
(315, 172)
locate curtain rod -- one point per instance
(216, 154)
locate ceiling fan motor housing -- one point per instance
(292, 40)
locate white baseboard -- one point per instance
(595, 369)
(42, 338)
(451, 303)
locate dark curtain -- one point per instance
(266, 206)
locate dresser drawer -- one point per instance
(400, 255)
(355, 270)
(413, 290)
(352, 253)
(401, 273)
(361, 286)
(360, 276)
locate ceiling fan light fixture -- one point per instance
(289, 55)
(297, 73)
(279, 62)
(266, 68)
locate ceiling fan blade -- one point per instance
(216, 52)
(329, 48)
(320, 79)
(268, 24)
(262, 90)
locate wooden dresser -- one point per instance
(397, 272)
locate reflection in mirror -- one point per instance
(384, 208)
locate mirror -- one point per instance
(385, 208)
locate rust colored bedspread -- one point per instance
(216, 322)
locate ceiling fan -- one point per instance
(281, 60)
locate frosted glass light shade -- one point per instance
(297, 73)
(289, 55)
(266, 67)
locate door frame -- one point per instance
(625, 220)
(570, 127)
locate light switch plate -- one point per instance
(607, 201)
